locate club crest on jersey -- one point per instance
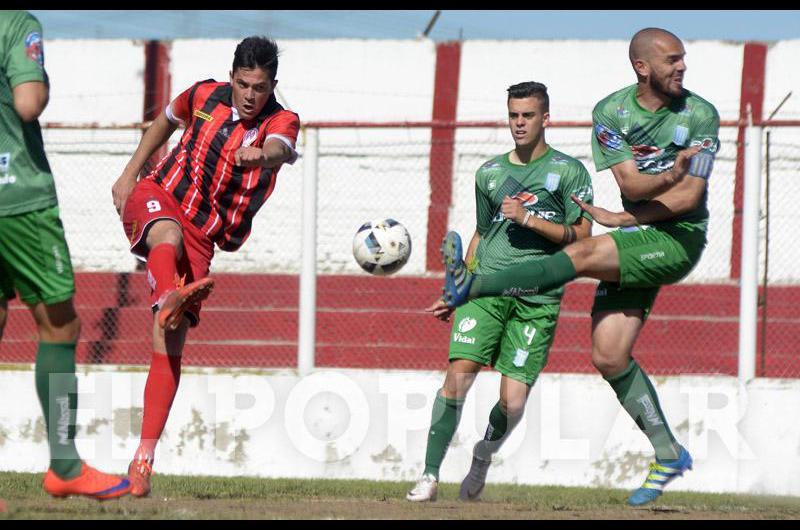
(681, 135)
(527, 198)
(249, 137)
(552, 181)
(33, 47)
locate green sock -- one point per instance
(500, 426)
(638, 397)
(57, 388)
(526, 279)
(444, 422)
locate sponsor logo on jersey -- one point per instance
(520, 358)
(527, 198)
(552, 181)
(458, 337)
(680, 136)
(622, 111)
(467, 324)
(584, 193)
(646, 152)
(708, 144)
(5, 162)
(559, 160)
(607, 137)
(492, 184)
(203, 116)
(249, 137)
(8, 179)
(33, 47)
(491, 165)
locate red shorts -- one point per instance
(149, 203)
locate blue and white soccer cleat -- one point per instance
(457, 278)
(660, 475)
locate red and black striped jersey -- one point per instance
(217, 196)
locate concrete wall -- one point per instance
(373, 425)
(372, 173)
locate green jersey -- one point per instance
(544, 186)
(26, 183)
(623, 130)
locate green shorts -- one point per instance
(34, 258)
(512, 335)
(649, 257)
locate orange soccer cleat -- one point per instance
(91, 483)
(174, 304)
(139, 472)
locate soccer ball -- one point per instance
(381, 247)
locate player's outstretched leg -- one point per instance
(89, 483)
(457, 278)
(174, 304)
(661, 473)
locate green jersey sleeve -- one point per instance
(705, 133)
(23, 60)
(608, 145)
(483, 205)
(580, 185)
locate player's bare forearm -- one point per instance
(153, 138)
(273, 154)
(557, 233)
(681, 199)
(638, 186)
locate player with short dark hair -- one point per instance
(34, 258)
(659, 140)
(524, 214)
(205, 192)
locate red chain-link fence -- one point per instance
(366, 172)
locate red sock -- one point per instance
(159, 392)
(162, 269)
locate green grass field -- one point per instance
(177, 497)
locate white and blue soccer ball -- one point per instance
(381, 247)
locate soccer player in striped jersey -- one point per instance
(523, 215)
(203, 193)
(659, 140)
(34, 258)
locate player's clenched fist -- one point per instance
(248, 156)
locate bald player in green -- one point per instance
(659, 140)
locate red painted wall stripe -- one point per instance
(445, 100)
(752, 92)
(157, 84)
